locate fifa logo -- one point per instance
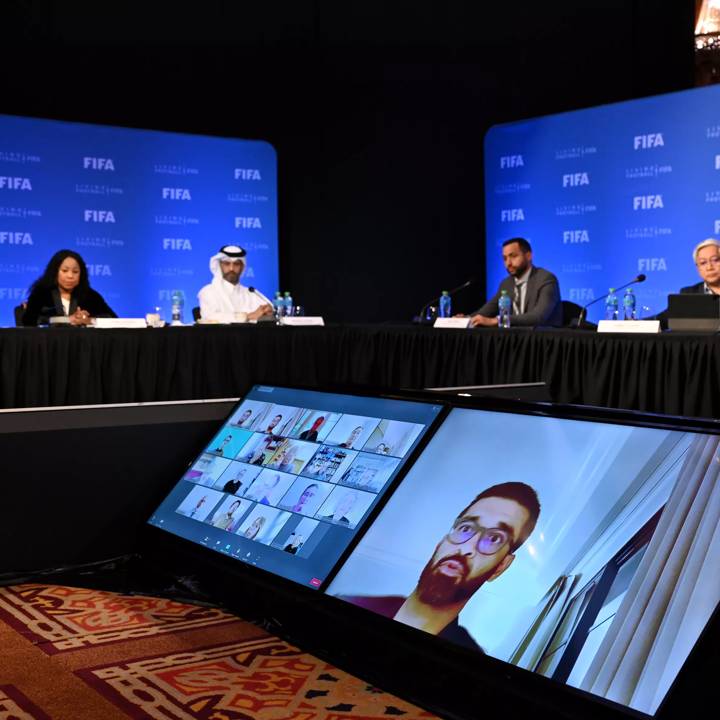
(582, 295)
(11, 293)
(248, 223)
(647, 142)
(652, 264)
(177, 244)
(647, 202)
(98, 163)
(99, 270)
(512, 215)
(575, 179)
(247, 174)
(15, 183)
(511, 161)
(169, 193)
(15, 238)
(99, 216)
(570, 237)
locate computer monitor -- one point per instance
(292, 475)
(583, 551)
(694, 312)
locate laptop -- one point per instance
(695, 312)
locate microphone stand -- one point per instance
(268, 301)
(580, 321)
(420, 318)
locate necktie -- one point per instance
(517, 299)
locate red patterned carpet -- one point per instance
(78, 653)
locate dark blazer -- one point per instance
(44, 304)
(542, 300)
(698, 288)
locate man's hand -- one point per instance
(260, 312)
(482, 321)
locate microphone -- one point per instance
(270, 303)
(421, 315)
(581, 317)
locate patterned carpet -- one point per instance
(78, 653)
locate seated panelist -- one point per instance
(64, 289)
(535, 292)
(225, 295)
(706, 256)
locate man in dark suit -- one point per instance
(707, 261)
(535, 292)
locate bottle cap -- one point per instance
(612, 290)
(445, 292)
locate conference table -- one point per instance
(670, 373)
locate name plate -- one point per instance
(629, 326)
(120, 323)
(455, 323)
(302, 320)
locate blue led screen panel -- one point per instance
(145, 209)
(292, 476)
(605, 193)
(608, 592)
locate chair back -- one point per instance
(19, 311)
(570, 311)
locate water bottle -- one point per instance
(611, 305)
(288, 304)
(629, 305)
(278, 304)
(178, 301)
(445, 305)
(504, 309)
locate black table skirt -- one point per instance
(670, 373)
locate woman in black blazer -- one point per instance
(63, 289)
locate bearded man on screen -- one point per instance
(479, 547)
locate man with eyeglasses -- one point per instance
(707, 260)
(478, 548)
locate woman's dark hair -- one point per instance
(48, 280)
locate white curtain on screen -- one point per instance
(672, 595)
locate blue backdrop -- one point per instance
(609, 192)
(145, 209)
